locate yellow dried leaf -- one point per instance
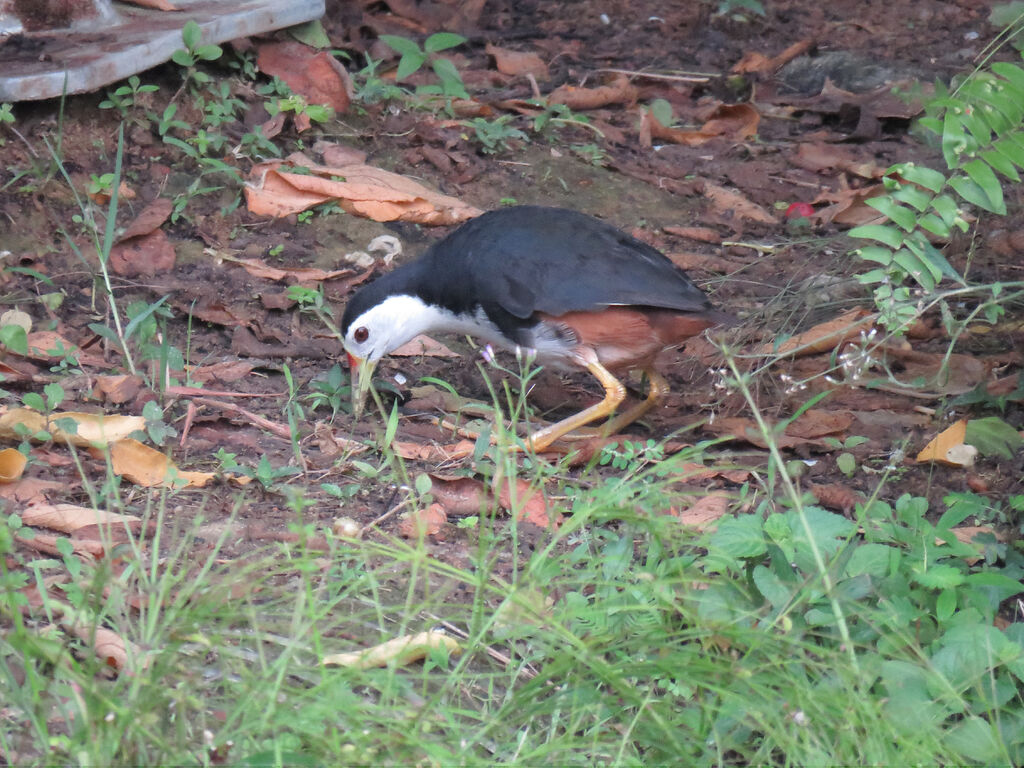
(12, 464)
(403, 650)
(947, 441)
(148, 467)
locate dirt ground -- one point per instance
(827, 127)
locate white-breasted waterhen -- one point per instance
(572, 288)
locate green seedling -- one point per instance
(494, 135)
(413, 58)
(193, 53)
(126, 96)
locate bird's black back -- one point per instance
(514, 262)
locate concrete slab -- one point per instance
(36, 65)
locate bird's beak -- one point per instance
(361, 372)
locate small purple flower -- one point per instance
(488, 354)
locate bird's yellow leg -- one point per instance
(614, 393)
(658, 388)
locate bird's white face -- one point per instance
(387, 326)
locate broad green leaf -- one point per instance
(442, 41)
(1005, 586)
(403, 46)
(191, 34)
(969, 190)
(451, 81)
(311, 33)
(739, 537)
(977, 740)
(880, 232)
(955, 140)
(934, 224)
(913, 196)
(876, 253)
(777, 593)
(828, 528)
(945, 206)
(1001, 163)
(14, 338)
(182, 58)
(902, 217)
(993, 437)
(982, 175)
(408, 64)
(916, 267)
(920, 174)
(1011, 72)
(662, 111)
(945, 605)
(1011, 151)
(872, 559)
(940, 576)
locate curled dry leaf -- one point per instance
(757, 63)
(948, 447)
(69, 518)
(401, 650)
(826, 336)
(149, 467)
(732, 121)
(259, 268)
(93, 430)
(156, 5)
(423, 346)
(273, 190)
(433, 453)
(705, 510)
(118, 389)
(735, 204)
(933, 374)
(12, 465)
(528, 504)
(836, 496)
(806, 430)
(518, 62)
(47, 345)
(31, 490)
(423, 522)
(316, 76)
(619, 91)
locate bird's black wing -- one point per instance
(531, 259)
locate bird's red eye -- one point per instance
(361, 335)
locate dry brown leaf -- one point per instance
(619, 91)
(46, 345)
(401, 650)
(948, 446)
(149, 467)
(12, 465)
(108, 646)
(518, 62)
(156, 5)
(836, 496)
(359, 189)
(118, 389)
(47, 543)
(436, 454)
(848, 207)
(315, 75)
(69, 518)
(528, 504)
(31, 490)
(806, 430)
(826, 336)
(932, 374)
(259, 268)
(818, 156)
(705, 510)
(732, 202)
(758, 63)
(818, 422)
(732, 121)
(423, 522)
(94, 430)
(703, 234)
(225, 372)
(423, 346)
